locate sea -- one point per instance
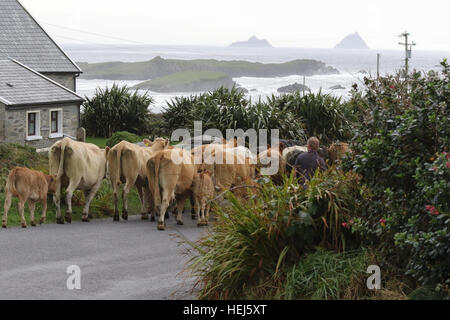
(353, 66)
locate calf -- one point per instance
(29, 186)
(203, 193)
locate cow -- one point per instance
(203, 193)
(29, 186)
(126, 163)
(337, 151)
(270, 157)
(77, 166)
(170, 174)
(228, 168)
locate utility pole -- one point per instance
(378, 66)
(408, 50)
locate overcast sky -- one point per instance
(285, 23)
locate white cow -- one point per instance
(77, 166)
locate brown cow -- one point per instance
(170, 175)
(273, 157)
(126, 163)
(228, 168)
(203, 193)
(29, 186)
(337, 151)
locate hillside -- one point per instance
(159, 67)
(188, 82)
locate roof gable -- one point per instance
(22, 38)
(21, 85)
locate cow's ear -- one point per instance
(107, 149)
(281, 146)
(166, 143)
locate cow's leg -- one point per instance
(44, 211)
(162, 212)
(181, 202)
(32, 207)
(116, 201)
(88, 200)
(57, 201)
(7, 206)
(86, 195)
(197, 208)
(21, 212)
(142, 192)
(70, 189)
(208, 208)
(203, 217)
(126, 189)
(193, 211)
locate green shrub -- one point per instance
(224, 109)
(323, 115)
(255, 242)
(405, 127)
(121, 136)
(116, 109)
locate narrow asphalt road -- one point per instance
(118, 260)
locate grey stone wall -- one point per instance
(67, 80)
(2, 122)
(15, 125)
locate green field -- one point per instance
(100, 142)
(188, 81)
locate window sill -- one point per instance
(56, 135)
(33, 138)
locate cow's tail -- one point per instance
(11, 182)
(153, 167)
(61, 162)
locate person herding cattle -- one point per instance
(29, 186)
(307, 163)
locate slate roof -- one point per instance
(21, 85)
(22, 38)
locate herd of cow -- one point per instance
(162, 174)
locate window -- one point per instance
(56, 123)
(33, 125)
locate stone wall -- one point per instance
(67, 80)
(15, 124)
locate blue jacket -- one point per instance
(307, 164)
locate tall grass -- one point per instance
(326, 275)
(256, 241)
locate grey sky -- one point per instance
(285, 23)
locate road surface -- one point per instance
(117, 260)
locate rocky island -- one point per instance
(293, 88)
(253, 42)
(352, 41)
(159, 67)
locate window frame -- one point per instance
(60, 132)
(37, 126)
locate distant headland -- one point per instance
(253, 42)
(171, 75)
